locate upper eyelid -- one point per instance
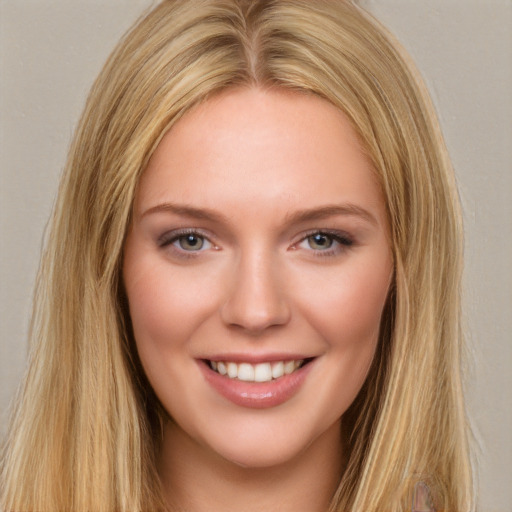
(360, 224)
(334, 233)
(174, 234)
(326, 231)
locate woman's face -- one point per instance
(258, 248)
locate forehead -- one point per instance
(261, 148)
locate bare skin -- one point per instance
(259, 240)
(197, 481)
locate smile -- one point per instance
(261, 372)
(259, 384)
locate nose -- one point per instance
(256, 300)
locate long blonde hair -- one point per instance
(85, 430)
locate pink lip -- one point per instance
(256, 395)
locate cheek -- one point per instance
(165, 302)
(346, 307)
(153, 307)
(163, 314)
(156, 310)
(346, 311)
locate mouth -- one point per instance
(260, 372)
(258, 383)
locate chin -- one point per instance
(258, 457)
(261, 445)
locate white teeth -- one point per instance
(221, 368)
(246, 372)
(232, 370)
(262, 372)
(289, 367)
(278, 370)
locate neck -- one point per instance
(196, 479)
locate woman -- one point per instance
(258, 191)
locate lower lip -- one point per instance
(256, 395)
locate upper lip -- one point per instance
(257, 358)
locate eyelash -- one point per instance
(167, 240)
(339, 239)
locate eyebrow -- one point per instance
(186, 211)
(333, 210)
(296, 217)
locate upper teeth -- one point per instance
(262, 372)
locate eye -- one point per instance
(320, 241)
(191, 242)
(185, 241)
(326, 243)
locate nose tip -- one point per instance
(256, 301)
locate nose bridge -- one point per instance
(257, 299)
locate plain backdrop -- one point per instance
(50, 52)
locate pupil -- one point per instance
(321, 241)
(191, 242)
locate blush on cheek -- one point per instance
(158, 305)
(155, 322)
(350, 311)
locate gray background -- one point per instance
(51, 50)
